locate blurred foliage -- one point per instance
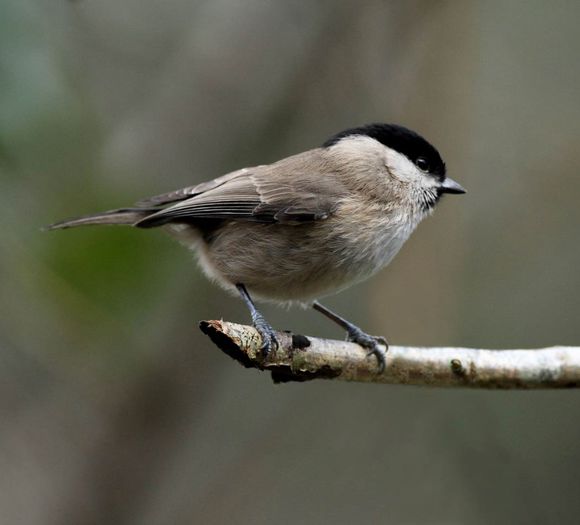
(116, 410)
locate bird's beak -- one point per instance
(450, 186)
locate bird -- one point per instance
(306, 226)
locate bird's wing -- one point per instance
(190, 191)
(286, 192)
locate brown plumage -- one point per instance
(307, 225)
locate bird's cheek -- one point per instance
(393, 173)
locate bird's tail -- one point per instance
(126, 216)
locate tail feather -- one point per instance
(126, 216)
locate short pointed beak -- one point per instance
(450, 186)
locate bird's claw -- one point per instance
(371, 343)
(269, 341)
(381, 340)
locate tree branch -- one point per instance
(301, 358)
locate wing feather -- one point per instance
(190, 191)
(287, 192)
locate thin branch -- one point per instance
(301, 358)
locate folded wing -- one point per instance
(291, 191)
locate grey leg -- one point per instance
(356, 335)
(269, 341)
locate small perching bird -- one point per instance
(305, 226)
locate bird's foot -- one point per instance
(269, 341)
(370, 343)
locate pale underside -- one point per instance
(288, 239)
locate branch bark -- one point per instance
(301, 358)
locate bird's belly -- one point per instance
(287, 263)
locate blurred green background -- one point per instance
(115, 409)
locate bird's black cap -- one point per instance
(401, 139)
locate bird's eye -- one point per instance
(422, 163)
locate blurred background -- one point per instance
(114, 407)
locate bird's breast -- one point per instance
(301, 262)
(364, 250)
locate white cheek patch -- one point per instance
(400, 166)
(403, 169)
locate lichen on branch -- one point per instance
(303, 358)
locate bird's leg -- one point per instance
(356, 335)
(269, 341)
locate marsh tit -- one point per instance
(305, 226)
